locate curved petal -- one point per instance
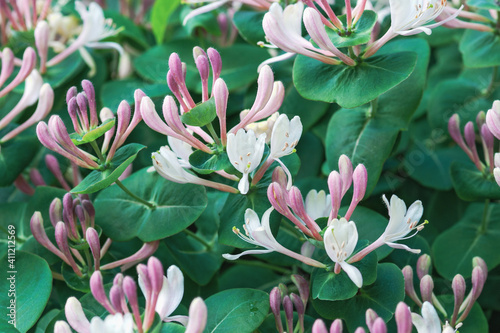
(244, 253)
(171, 292)
(353, 273)
(403, 247)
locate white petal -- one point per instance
(353, 273)
(244, 253)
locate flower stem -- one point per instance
(97, 151)
(198, 238)
(264, 265)
(213, 134)
(484, 221)
(126, 190)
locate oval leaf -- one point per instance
(201, 114)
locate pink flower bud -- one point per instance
(458, 286)
(488, 141)
(426, 288)
(299, 308)
(36, 177)
(62, 242)
(130, 290)
(279, 176)
(403, 318)
(335, 188)
(97, 289)
(288, 307)
(204, 70)
(221, 95)
(336, 326)
(470, 138)
(215, 62)
(71, 93)
(28, 64)
(360, 330)
(275, 303)
(423, 265)
(95, 246)
(409, 288)
(38, 231)
(116, 295)
(89, 90)
(197, 316)
(42, 34)
(142, 271)
(346, 172)
(55, 211)
(82, 110)
(152, 119)
(61, 327)
(7, 65)
(75, 315)
(379, 326)
(90, 210)
(296, 202)
(69, 217)
(478, 261)
(319, 327)
(198, 51)
(155, 272)
(144, 252)
(175, 67)
(370, 317)
(53, 166)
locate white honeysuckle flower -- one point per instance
(429, 322)
(285, 136)
(245, 152)
(401, 222)
(32, 87)
(496, 171)
(340, 239)
(170, 295)
(167, 164)
(318, 204)
(409, 17)
(95, 25)
(117, 323)
(257, 232)
(265, 126)
(182, 149)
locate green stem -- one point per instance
(374, 107)
(97, 151)
(89, 259)
(294, 231)
(198, 238)
(484, 221)
(213, 134)
(126, 190)
(351, 52)
(263, 265)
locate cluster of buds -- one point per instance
(340, 236)
(82, 110)
(241, 146)
(163, 295)
(488, 127)
(35, 90)
(75, 233)
(428, 322)
(462, 304)
(37, 179)
(214, 4)
(21, 15)
(279, 297)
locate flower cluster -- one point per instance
(76, 233)
(488, 127)
(163, 295)
(340, 236)
(239, 147)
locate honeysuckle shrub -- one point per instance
(249, 166)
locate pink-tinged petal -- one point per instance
(353, 273)
(75, 316)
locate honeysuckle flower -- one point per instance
(170, 296)
(169, 166)
(429, 321)
(318, 204)
(245, 152)
(265, 126)
(493, 119)
(117, 323)
(258, 232)
(197, 316)
(340, 239)
(285, 136)
(95, 28)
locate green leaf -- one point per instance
(64, 71)
(471, 184)
(31, 283)
(236, 310)
(360, 34)
(160, 13)
(177, 207)
(207, 163)
(98, 180)
(329, 286)
(351, 86)
(480, 49)
(93, 134)
(249, 25)
(201, 115)
(74, 281)
(382, 297)
(128, 28)
(172, 328)
(12, 163)
(454, 249)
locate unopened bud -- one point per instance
(426, 288)
(403, 318)
(288, 307)
(275, 304)
(379, 326)
(197, 316)
(95, 247)
(423, 265)
(319, 327)
(97, 289)
(336, 326)
(409, 288)
(370, 317)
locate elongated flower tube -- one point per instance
(167, 164)
(214, 4)
(245, 151)
(258, 232)
(27, 65)
(340, 239)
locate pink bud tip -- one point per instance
(197, 316)
(336, 326)
(155, 272)
(403, 318)
(379, 326)
(423, 265)
(97, 289)
(55, 211)
(95, 247)
(426, 288)
(319, 327)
